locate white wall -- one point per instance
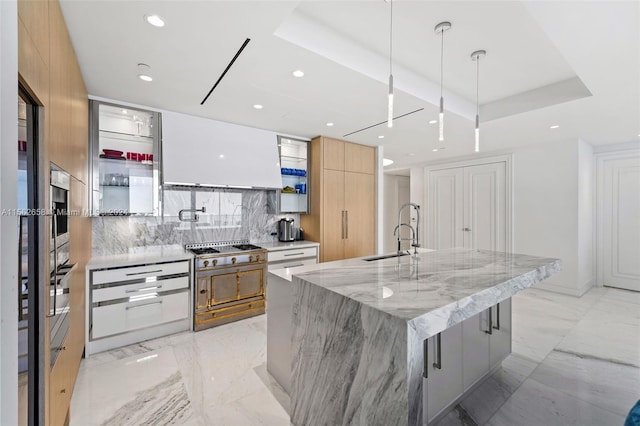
(8, 224)
(396, 193)
(553, 210)
(586, 215)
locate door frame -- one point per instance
(601, 159)
(507, 159)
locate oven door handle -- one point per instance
(55, 265)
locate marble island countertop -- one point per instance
(434, 289)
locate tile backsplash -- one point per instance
(230, 214)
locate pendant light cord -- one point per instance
(441, 61)
(478, 85)
(390, 36)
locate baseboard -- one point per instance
(571, 291)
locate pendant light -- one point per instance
(390, 107)
(475, 56)
(440, 29)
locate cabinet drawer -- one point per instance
(275, 256)
(291, 263)
(137, 272)
(122, 317)
(138, 289)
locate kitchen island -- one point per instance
(362, 332)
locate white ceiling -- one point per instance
(571, 63)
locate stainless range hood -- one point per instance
(202, 152)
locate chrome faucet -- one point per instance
(398, 230)
(416, 239)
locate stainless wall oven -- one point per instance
(59, 260)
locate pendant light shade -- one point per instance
(475, 56)
(440, 29)
(390, 105)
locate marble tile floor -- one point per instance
(574, 361)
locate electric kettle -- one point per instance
(285, 229)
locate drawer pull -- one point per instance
(293, 266)
(293, 254)
(144, 272)
(143, 289)
(159, 302)
(63, 391)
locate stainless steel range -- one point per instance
(229, 283)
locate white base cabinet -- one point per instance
(137, 302)
(460, 357)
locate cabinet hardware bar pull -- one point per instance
(143, 289)
(342, 233)
(425, 352)
(293, 254)
(144, 272)
(438, 363)
(346, 234)
(159, 302)
(293, 266)
(490, 321)
(497, 326)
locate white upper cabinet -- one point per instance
(199, 151)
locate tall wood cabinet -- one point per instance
(343, 199)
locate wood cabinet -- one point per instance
(343, 199)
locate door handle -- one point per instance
(438, 363)
(143, 272)
(466, 229)
(294, 254)
(143, 289)
(490, 331)
(159, 302)
(346, 233)
(497, 326)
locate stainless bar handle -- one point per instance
(293, 266)
(466, 229)
(490, 322)
(438, 363)
(55, 264)
(346, 236)
(143, 289)
(293, 254)
(425, 351)
(142, 273)
(342, 233)
(159, 302)
(497, 327)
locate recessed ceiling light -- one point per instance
(433, 121)
(330, 124)
(555, 126)
(221, 156)
(145, 77)
(381, 137)
(155, 20)
(257, 106)
(298, 73)
(143, 66)
(387, 162)
(435, 150)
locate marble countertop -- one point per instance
(433, 289)
(279, 245)
(141, 255)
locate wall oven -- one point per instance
(59, 261)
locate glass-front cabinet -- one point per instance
(125, 159)
(294, 162)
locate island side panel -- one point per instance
(349, 361)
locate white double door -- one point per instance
(468, 207)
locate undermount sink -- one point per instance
(386, 256)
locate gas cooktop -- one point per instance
(225, 247)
